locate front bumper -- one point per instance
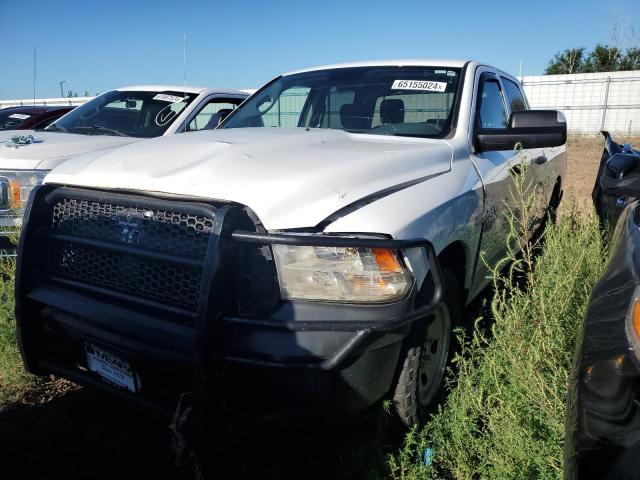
(300, 357)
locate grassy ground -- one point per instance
(14, 382)
(504, 418)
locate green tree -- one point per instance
(631, 59)
(603, 58)
(566, 61)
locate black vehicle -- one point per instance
(603, 414)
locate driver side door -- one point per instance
(496, 169)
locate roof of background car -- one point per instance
(424, 62)
(178, 88)
(36, 108)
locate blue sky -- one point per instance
(99, 45)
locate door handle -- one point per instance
(540, 160)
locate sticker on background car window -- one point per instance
(165, 115)
(422, 85)
(19, 116)
(168, 98)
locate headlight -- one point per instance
(363, 275)
(16, 186)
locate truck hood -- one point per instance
(290, 177)
(51, 148)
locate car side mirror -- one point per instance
(621, 176)
(529, 128)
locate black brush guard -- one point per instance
(157, 329)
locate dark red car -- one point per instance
(31, 117)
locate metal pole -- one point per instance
(184, 62)
(606, 102)
(61, 90)
(34, 75)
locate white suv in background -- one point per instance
(117, 117)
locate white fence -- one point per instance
(44, 101)
(590, 101)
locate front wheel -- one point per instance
(425, 356)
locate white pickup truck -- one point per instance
(312, 254)
(115, 118)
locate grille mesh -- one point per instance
(186, 234)
(169, 284)
(175, 233)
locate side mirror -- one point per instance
(621, 175)
(530, 128)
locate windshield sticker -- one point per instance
(422, 85)
(165, 116)
(19, 116)
(168, 98)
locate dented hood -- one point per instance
(50, 149)
(290, 177)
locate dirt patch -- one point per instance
(583, 158)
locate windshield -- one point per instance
(405, 101)
(132, 114)
(10, 120)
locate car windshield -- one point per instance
(125, 113)
(11, 119)
(404, 101)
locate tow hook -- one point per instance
(182, 449)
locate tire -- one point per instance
(426, 353)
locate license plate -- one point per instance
(112, 368)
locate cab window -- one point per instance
(212, 113)
(492, 112)
(514, 95)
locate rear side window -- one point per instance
(10, 120)
(514, 95)
(210, 115)
(492, 112)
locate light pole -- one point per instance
(61, 90)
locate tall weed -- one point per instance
(504, 417)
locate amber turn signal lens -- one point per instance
(15, 194)
(386, 260)
(632, 326)
(635, 318)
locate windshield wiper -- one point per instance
(101, 128)
(54, 127)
